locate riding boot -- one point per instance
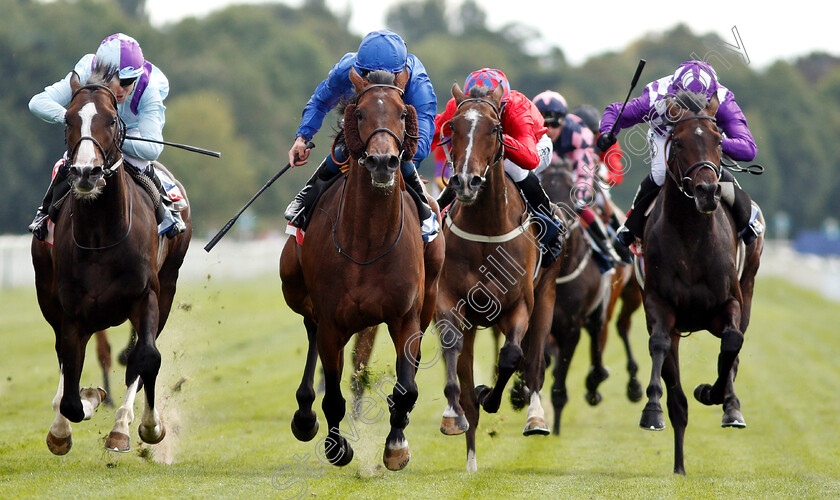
(623, 252)
(634, 226)
(744, 213)
(177, 225)
(445, 198)
(299, 210)
(599, 236)
(539, 201)
(428, 218)
(59, 187)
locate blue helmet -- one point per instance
(381, 50)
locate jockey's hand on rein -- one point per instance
(605, 141)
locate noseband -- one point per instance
(686, 177)
(111, 162)
(400, 142)
(498, 149)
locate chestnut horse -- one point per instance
(691, 275)
(363, 263)
(108, 264)
(488, 278)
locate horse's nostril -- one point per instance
(393, 162)
(455, 182)
(476, 181)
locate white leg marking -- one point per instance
(450, 412)
(472, 465)
(125, 413)
(399, 445)
(535, 409)
(60, 427)
(151, 419)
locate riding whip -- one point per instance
(639, 69)
(182, 146)
(209, 246)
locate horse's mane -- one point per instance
(480, 91)
(691, 101)
(102, 74)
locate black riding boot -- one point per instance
(299, 210)
(428, 219)
(539, 201)
(59, 187)
(445, 198)
(634, 226)
(599, 235)
(741, 205)
(622, 250)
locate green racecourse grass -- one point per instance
(241, 351)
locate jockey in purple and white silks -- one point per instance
(379, 50)
(650, 107)
(143, 88)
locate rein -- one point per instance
(338, 218)
(499, 148)
(686, 177)
(127, 231)
(110, 163)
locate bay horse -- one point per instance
(108, 264)
(490, 275)
(691, 275)
(363, 263)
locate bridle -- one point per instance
(498, 148)
(400, 142)
(686, 177)
(113, 157)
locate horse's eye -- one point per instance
(404, 114)
(358, 115)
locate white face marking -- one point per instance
(698, 131)
(471, 116)
(86, 156)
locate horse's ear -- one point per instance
(358, 82)
(75, 83)
(497, 95)
(402, 78)
(712, 107)
(457, 93)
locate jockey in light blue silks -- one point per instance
(379, 50)
(650, 107)
(143, 87)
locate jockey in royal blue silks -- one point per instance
(143, 87)
(650, 107)
(379, 50)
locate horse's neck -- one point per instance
(110, 209)
(489, 213)
(368, 209)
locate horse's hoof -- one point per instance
(482, 394)
(536, 426)
(117, 441)
(303, 432)
(703, 394)
(653, 419)
(345, 450)
(733, 418)
(148, 436)
(59, 446)
(396, 459)
(452, 426)
(94, 395)
(593, 398)
(634, 391)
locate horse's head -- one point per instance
(476, 139)
(380, 130)
(93, 132)
(694, 156)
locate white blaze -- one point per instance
(86, 156)
(472, 116)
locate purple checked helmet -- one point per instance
(123, 52)
(694, 76)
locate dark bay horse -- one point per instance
(488, 278)
(691, 275)
(108, 264)
(363, 263)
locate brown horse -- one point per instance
(108, 264)
(691, 275)
(488, 278)
(363, 263)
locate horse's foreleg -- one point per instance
(305, 422)
(451, 338)
(331, 343)
(660, 322)
(118, 439)
(406, 336)
(567, 337)
(361, 357)
(677, 402)
(731, 340)
(144, 362)
(631, 299)
(535, 364)
(595, 326)
(514, 325)
(468, 399)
